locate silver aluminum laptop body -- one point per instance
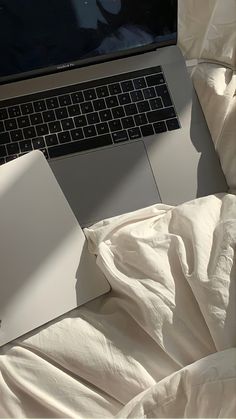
(46, 269)
(171, 167)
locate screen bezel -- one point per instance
(39, 72)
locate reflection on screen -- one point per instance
(36, 35)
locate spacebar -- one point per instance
(76, 146)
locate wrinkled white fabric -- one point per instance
(207, 33)
(172, 272)
(216, 89)
(205, 389)
(207, 30)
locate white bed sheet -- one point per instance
(172, 272)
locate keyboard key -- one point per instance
(74, 110)
(115, 125)
(160, 127)
(127, 86)
(99, 104)
(147, 130)
(77, 134)
(90, 131)
(124, 99)
(114, 89)
(49, 116)
(134, 133)
(77, 146)
(163, 92)
(120, 136)
(102, 91)
(39, 105)
(105, 115)
(16, 135)
(23, 121)
(27, 108)
(2, 127)
(12, 148)
(161, 114)
(29, 132)
(36, 118)
(42, 130)
(137, 95)
(143, 106)
(156, 103)
(140, 119)
(67, 124)
(52, 103)
(51, 139)
(93, 118)
(139, 83)
(80, 121)
(86, 107)
(111, 101)
(3, 114)
(128, 122)
(61, 113)
(118, 112)
(64, 100)
(149, 93)
(3, 151)
(10, 124)
(38, 143)
(155, 79)
(77, 97)
(172, 124)
(90, 94)
(5, 138)
(54, 127)
(14, 111)
(64, 137)
(131, 109)
(2, 161)
(102, 128)
(25, 146)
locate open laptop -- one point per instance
(101, 87)
(46, 269)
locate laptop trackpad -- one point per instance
(108, 182)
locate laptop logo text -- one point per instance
(62, 66)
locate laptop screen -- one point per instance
(42, 36)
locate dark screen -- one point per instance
(44, 35)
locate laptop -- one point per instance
(46, 268)
(102, 89)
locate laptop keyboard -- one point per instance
(87, 115)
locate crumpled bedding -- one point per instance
(165, 334)
(207, 34)
(207, 30)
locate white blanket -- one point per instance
(173, 273)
